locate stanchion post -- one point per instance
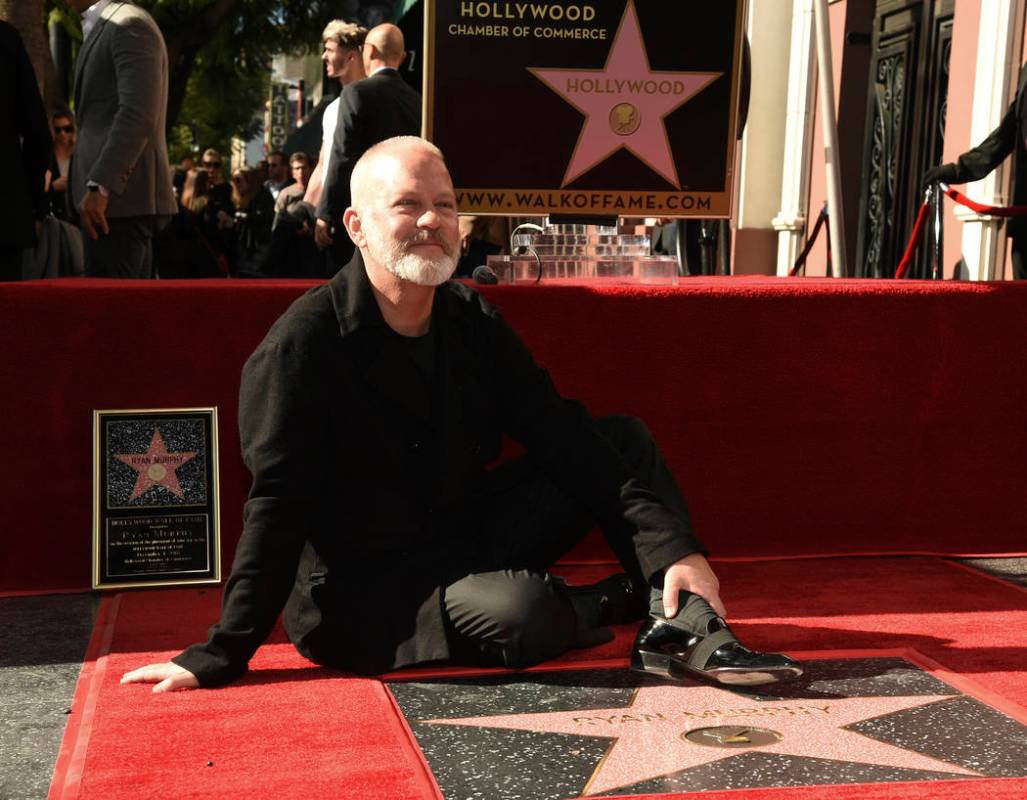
(938, 266)
(836, 221)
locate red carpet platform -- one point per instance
(293, 730)
(803, 417)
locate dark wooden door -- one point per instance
(905, 127)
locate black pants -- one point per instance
(509, 611)
(125, 252)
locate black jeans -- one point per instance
(509, 611)
(125, 252)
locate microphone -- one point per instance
(484, 274)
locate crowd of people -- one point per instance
(106, 201)
(256, 224)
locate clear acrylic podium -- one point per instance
(583, 253)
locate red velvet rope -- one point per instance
(980, 208)
(800, 262)
(963, 200)
(918, 229)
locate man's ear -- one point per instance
(351, 219)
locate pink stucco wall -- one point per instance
(966, 29)
(817, 262)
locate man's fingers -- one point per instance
(101, 223)
(670, 605)
(148, 674)
(175, 683)
(87, 223)
(169, 677)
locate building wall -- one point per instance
(965, 32)
(816, 265)
(965, 124)
(760, 165)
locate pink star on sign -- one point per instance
(156, 467)
(667, 729)
(624, 103)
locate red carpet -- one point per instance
(291, 730)
(802, 417)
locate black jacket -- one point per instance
(25, 136)
(1006, 139)
(370, 111)
(366, 482)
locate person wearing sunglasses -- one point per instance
(219, 191)
(64, 134)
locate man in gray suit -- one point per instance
(121, 180)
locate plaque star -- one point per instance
(666, 729)
(156, 467)
(624, 103)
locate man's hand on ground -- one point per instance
(168, 676)
(322, 234)
(691, 574)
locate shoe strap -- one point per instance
(708, 646)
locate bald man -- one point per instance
(371, 416)
(380, 106)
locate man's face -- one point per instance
(212, 163)
(341, 62)
(301, 171)
(277, 169)
(408, 218)
(64, 131)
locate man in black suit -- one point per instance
(369, 416)
(974, 164)
(380, 106)
(25, 134)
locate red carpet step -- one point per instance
(802, 417)
(293, 730)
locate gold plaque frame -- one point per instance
(156, 513)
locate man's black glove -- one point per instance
(946, 173)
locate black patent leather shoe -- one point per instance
(663, 649)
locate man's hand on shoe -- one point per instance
(168, 676)
(691, 574)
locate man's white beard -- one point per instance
(414, 267)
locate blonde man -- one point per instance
(341, 56)
(381, 106)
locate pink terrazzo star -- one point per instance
(624, 103)
(649, 735)
(156, 467)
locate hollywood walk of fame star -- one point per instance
(667, 729)
(156, 467)
(624, 103)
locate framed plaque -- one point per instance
(155, 498)
(618, 107)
